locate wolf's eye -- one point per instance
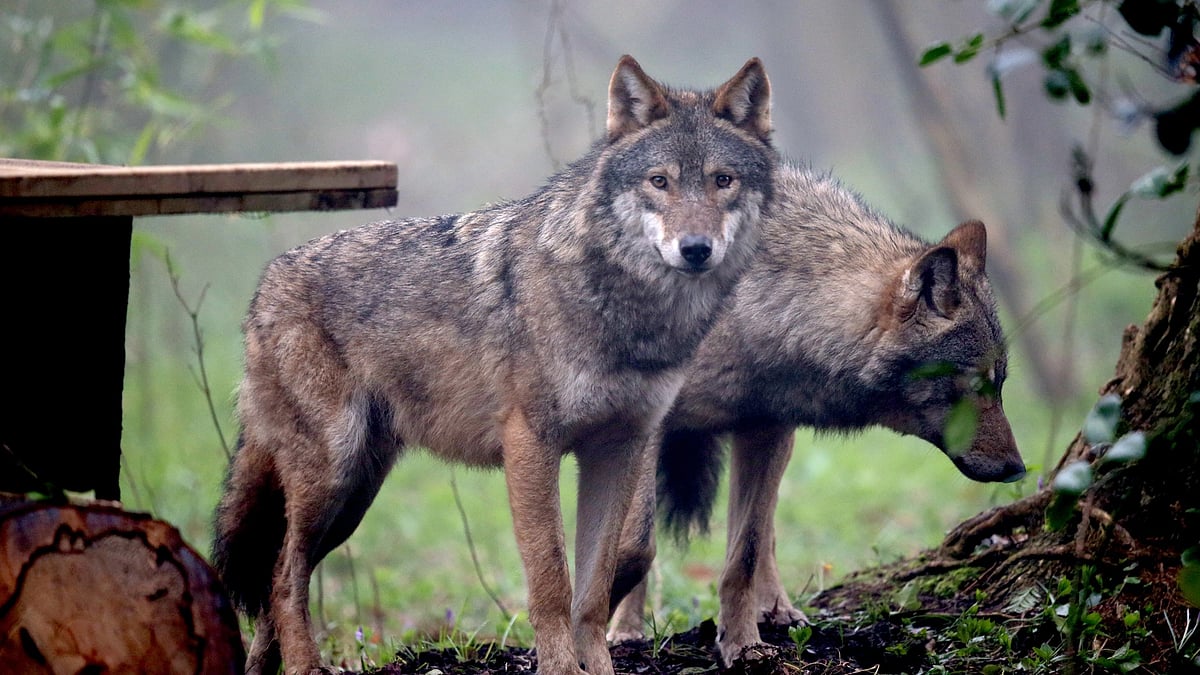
(659, 181)
(724, 180)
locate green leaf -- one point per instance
(258, 9)
(1057, 85)
(906, 599)
(931, 369)
(1074, 479)
(1060, 11)
(961, 423)
(1100, 426)
(998, 92)
(1191, 556)
(1189, 583)
(800, 636)
(1079, 88)
(935, 53)
(1130, 448)
(1054, 55)
(969, 48)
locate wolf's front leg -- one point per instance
(531, 473)
(608, 474)
(750, 588)
(635, 553)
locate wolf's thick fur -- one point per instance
(504, 337)
(844, 321)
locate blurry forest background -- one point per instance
(479, 101)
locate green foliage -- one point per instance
(101, 85)
(1189, 575)
(1074, 479)
(1129, 448)
(1100, 426)
(1072, 35)
(961, 424)
(800, 636)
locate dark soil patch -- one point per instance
(922, 615)
(831, 650)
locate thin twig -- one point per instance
(198, 337)
(471, 547)
(555, 28)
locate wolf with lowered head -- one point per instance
(844, 321)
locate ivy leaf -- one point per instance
(1060, 511)
(1074, 479)
(1101, 423)
(1191, 556)
(1131, 447)
(935, 53)
(1189, 583)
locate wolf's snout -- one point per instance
(695, 249)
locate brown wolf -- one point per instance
(505, 337)
(844, 321)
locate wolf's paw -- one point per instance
(618, 635)
(748, 654)
(782, 613)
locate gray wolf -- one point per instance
(506, 337)
(844, 321)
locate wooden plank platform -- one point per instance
(64, 271)
(63, 190)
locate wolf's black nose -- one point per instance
(695, 248)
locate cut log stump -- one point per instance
(95, 589)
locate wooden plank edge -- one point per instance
(325, 200)
(103, 181)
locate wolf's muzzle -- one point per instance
(695, 249)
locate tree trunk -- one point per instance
(94, 589)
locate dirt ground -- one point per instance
(923, 616)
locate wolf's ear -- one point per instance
(930, 284)
(634, 100)
(970, 240)
(745, 100)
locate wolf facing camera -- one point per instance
(506, 337)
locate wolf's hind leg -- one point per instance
(264, 657)
(750, 588)
(328, 487)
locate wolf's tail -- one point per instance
(248, 529)
(689, 471)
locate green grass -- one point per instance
(406, 575)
